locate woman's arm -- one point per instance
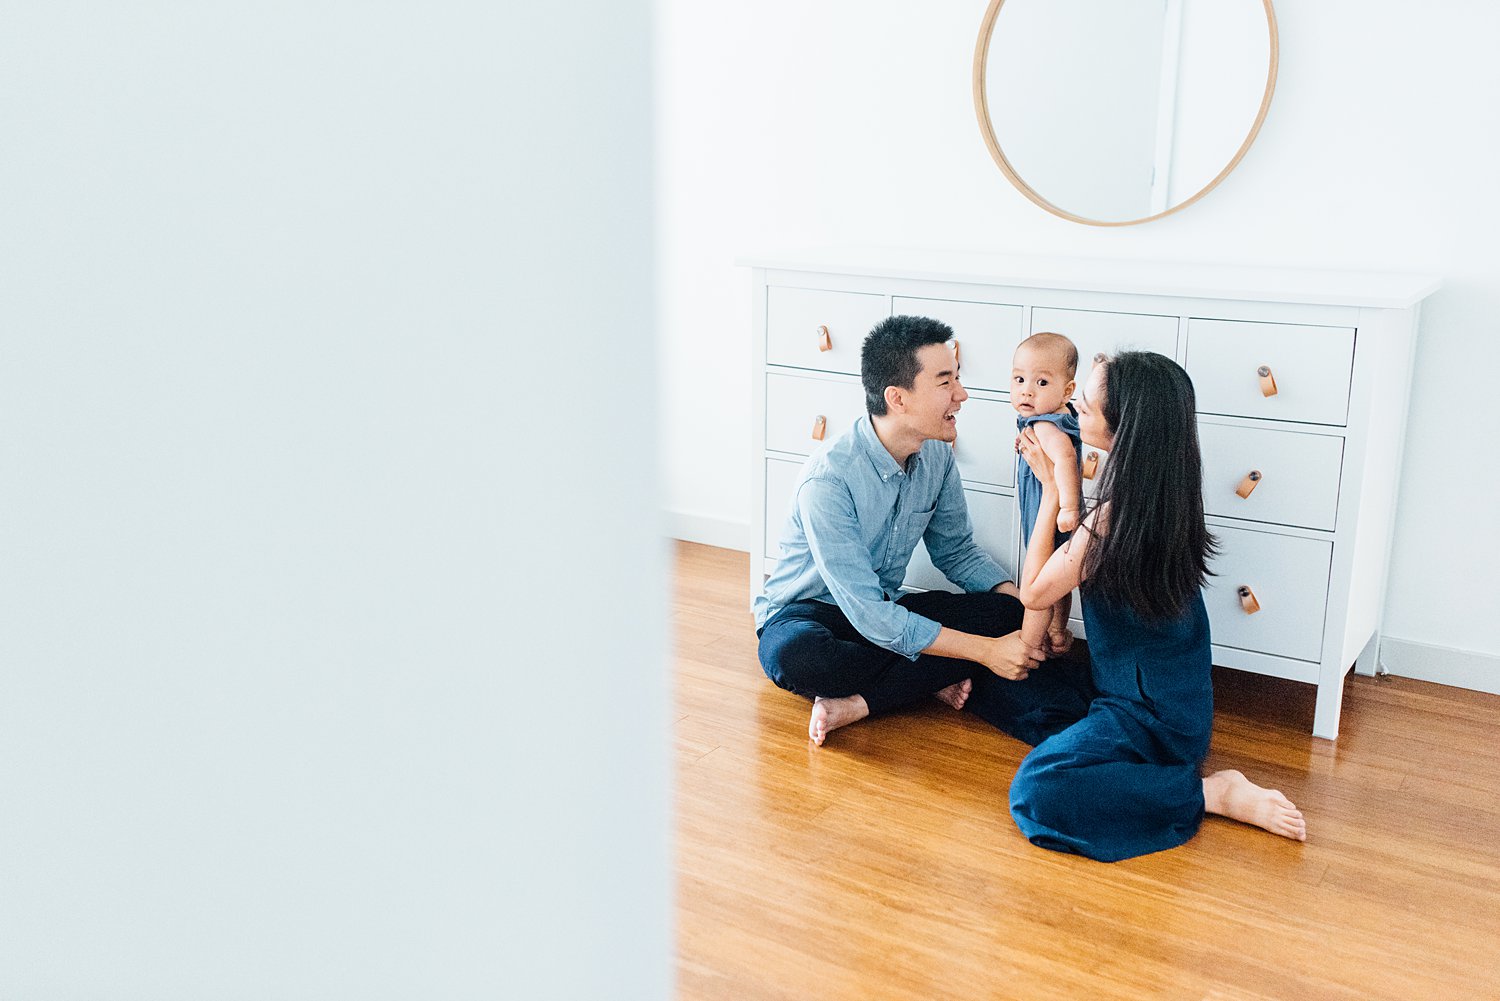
(1060, 572)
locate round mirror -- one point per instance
(1115, 112)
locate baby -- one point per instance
(1041, 382)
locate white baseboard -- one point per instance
(1444, 665)
(709, 531)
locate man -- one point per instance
(832, 622)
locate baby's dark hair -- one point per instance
(1046, 340)
(889, 357)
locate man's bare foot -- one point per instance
(956, 695)
(1230, 794)
(830, 714)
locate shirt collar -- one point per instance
(885, 464)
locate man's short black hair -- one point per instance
(889, 357)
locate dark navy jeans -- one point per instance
(810, 648)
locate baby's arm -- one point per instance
(1059, 448)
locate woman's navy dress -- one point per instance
(1124, 780)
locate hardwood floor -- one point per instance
(885, 864)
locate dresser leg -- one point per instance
(1330, 704)
(1368, 662)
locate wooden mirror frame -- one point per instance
(987, 129)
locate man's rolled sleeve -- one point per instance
(919, 634)
(833, 537)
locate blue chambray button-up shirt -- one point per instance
(854, 526)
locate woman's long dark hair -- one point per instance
(1153, 554)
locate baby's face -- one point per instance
(1039, 381)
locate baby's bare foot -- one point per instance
(956, 695)
(830, 714)
(1230, 794)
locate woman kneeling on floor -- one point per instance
(1125, 779)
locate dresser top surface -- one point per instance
(1386, 290)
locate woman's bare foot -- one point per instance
(830, 714)
(956, 695)
(1230, 794)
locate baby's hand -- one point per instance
(1059, 641)
(1067, 519)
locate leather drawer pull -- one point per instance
(1267, 381)
(820, 428)
(1249, 483)
(1090, 465)
(1247, 600)
(825, 342)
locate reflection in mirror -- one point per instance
(1118, 111)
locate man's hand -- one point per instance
(1009, 657)
(1007, 587)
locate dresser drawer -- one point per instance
(987, 336)
(986, 445)
(795, 318)
(781, 480)
(1300, 532)
(1107, 333)
(1298, 475)
(1309, 366)
(1288, 577)
(795, 404)
(994, 519)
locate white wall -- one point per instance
(785, 124)
(323, 326)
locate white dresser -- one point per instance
(1301, 376)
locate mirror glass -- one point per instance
(1118, 111)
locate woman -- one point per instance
(1124, 779)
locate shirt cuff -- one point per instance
(919, 634)
(987, 581)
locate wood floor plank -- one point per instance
(885, 864)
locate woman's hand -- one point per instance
(1037, 458)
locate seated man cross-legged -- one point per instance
(832, 621)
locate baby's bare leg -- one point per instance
(1035, 625)
(1059, 639)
